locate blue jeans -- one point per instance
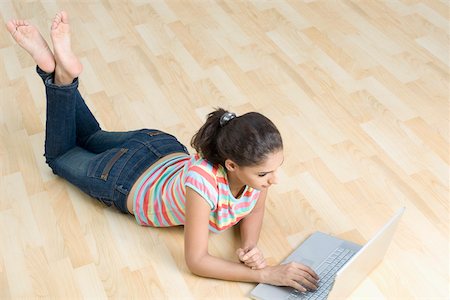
(103, 164)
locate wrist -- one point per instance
(263, 275)
(248, 246)
(249, 241)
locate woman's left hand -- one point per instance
(252, 257)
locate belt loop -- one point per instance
(153, 133)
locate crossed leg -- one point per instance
(64, 62)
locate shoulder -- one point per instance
(202, 178)
(204, 168)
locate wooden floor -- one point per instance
(359, 89)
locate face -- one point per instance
(259, 177)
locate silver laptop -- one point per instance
(340, 264)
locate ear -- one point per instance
(230, 165)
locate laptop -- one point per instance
(340, 264)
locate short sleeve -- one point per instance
(203, 183)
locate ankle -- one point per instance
(63, 79)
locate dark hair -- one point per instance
(247, 140)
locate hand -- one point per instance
(298, 276)
(252, 257)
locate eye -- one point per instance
(262, 174)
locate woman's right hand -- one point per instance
(298, 276)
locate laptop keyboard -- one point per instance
(326, 271)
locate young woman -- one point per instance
(150, 174)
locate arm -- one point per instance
(198, 260)
(250, 228)
(201, 263)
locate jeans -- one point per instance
(103, 164)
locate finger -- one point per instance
(307, 281)
(261, 265)
(251, 253)
(253, 259)
(258, 264)
(310, 278)
(251, 263)
(296, 285)
(308, 284)
(240, 253)
(261, 261)
(308, 270)
(305, 278)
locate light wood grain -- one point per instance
(359, 89)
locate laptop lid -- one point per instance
(365, 260)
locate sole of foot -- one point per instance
(28, 37)
(68, 66)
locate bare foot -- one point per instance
(29, 38)
(68, 67)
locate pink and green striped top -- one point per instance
(160, 197)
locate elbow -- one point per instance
(194, 269)
(194, 265)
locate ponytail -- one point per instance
(247, 139)
(204, 141)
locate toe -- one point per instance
(64, 17)
(55, 23)
(11, 26)
(56, 19)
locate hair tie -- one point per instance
(226, 117)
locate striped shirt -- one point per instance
(160, 197)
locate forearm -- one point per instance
(197, 256)
(250, 229)
(293, 274)
(213, 267)
(250, 226)
(249, 240)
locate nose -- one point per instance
(274, 178)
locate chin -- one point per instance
(257, 187)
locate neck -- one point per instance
(236, 187)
